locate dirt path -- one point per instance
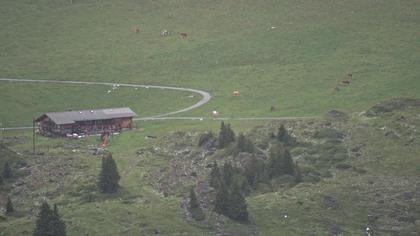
(205, 98)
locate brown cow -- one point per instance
(136, 30)
(346, 82)
(184, 35)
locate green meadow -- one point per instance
(290, 54)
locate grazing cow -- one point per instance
(346, 82)
(184, 35)
(272, 108)
(136, 30)
(215, 114)
(164, 33)
(236, 93)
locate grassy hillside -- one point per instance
(290, 54)
(230, 45)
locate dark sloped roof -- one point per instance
(70, 117)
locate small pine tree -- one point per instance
(243, 144)
(275, 164)
(226, 135)
(221, 204)
(252, 171)
(288, 165)
(57, 224)
(230, 134)
(109, 177)
(280, 162)
(7, 171)
(1, 179)
(237, 205)
(194, 207)
(228, 173)
(215, 179)
(9, 206)
(284, 136)
(43, 223)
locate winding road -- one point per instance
(205, 98)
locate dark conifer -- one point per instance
(215, 179)
(228, 173)
(109, 177)
(226, 135)
(243, 144)
(194, 207)
(221, 204)
(289, 167)
(58, 227)
(9, 206)
(280, 162)
(43, 223)
(275, 164)
(252, 171)
(237, 205)
(7, 171)
(284, 136)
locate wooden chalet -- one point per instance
(88, 122)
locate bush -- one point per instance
(328, 133)
(204, 138)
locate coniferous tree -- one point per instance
(109, 177)
(252, 170)
(49, 222)
(9, 206)
(43, 223)
(7, 171)
(280, 162)
(194, 207)
(228, 173)
(215, 179)
(243, 144)
(58, 227)
(1, 179)
(226, 135)
(230, 134)
(222, 136)
(289, 167)
(275, 164)
(221, 204)
(237, 205)
(284, 136)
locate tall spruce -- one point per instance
(221, 203)
(284, 136)
(58, 227)
(7, 171)
(228, 173)
(194, 206)
(252, 171)
(288, 165)
(275, 164)
(9, 206)
(280, 162)
(43, 223)
(49, 222)
(109, 176)
(215, 179)
(1, 180)
(226, 135)
(243, 144)
(237, 205)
